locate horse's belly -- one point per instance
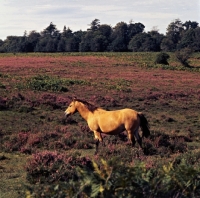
(113, 130)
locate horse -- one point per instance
(110, 122)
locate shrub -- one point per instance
(162, 58)
(115, 179)
(16, 142)
(46, 83)
(48, 167)
(183, 55)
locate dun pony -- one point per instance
(111, 122)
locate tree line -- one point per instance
(102, 37)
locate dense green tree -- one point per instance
(123, 37)
(86, 40)
(19, 44)
(158, 39)
(71, 45)
(143, 42)
(167, 45)
(12, 44)
(67, 42)
(67, 32)
(50, 31)
(24, 44)
(97, 38)
(51, 45)
(133, 29)
(61, 45)
(196, 44)
(105, 30)
(123, 33)
(78, 35)
(94, 25)
(190, 25)
(41, 45)
(101, 38)
(119, 37)
(117, 45)
(173, 35)
(46, 45)
(99, 43)
(187, 39)
(174, 30)
(49, 39)
(85, 44)
(33, 39)
(1, 46)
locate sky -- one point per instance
(16, 16)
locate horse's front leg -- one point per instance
(98, 138)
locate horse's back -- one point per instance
(120, 114)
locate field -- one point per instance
(35, 90)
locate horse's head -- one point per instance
(71, 109)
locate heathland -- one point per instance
(43, 153)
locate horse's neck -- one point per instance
(84, 112)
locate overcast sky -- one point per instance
(16, 16)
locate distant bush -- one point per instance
(183, 55)
(162, 58)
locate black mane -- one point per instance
(90, 106)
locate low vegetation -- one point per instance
(118, 180)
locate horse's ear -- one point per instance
(75, 98)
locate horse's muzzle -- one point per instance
(67, 114)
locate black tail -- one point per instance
(144, 125)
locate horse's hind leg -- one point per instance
(131, 137)
(139, 139)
